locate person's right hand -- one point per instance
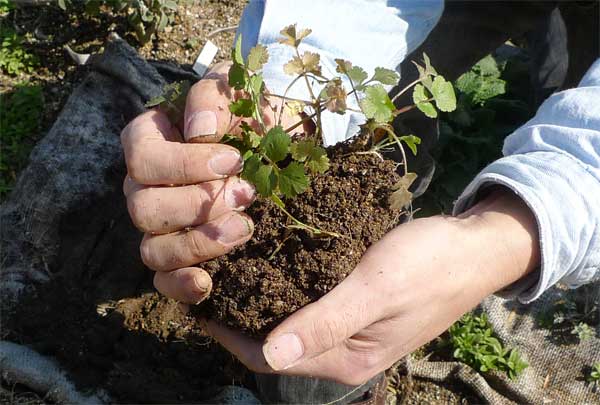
(186, 196)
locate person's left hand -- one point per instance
(408, 288)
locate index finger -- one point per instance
(155, 156)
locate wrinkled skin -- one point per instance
(407, 289)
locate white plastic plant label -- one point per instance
(205, 58)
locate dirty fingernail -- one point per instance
(226, 163)
(234, 229)
(239, 194)
(202, 284)
(283, 351)
(201, 123)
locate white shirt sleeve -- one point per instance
(553, 163)
(368, 33)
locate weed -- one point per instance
(472, 136)
(570, 317)
(146, 17)
(594, 376)
(473, 342)
(6, 6)
(14, 59)
(20, 114)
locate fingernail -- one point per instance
(234, 229)
(283, 351)
(226, 163)
(239, 194)
(202, 284)
(201, 123)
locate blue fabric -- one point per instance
(369, 33)
(552, 162)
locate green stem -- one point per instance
(394, 137)
(298, 224)
(404, 90)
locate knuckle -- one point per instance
(138, 211)
(136, 163)
(202, 199)
(326, 332)
(198, 245)
(368, 361)
(157, 282)
(146, 252)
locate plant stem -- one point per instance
(399, 143)
(302, 121)
(405, 89)
(298, 223)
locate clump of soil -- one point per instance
(261, 283)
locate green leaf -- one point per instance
(257, 57)
(62, 4)
(377, 104)
(420, 97)
(301, 150)
(386, 76)
(162, 22)
(411, 141)
(443, 93)
(256, 84)
(153, 102)
(293, 180)
(265, 180)
(276, 144)
(318, 162)
(170, 4)
(251, 139)
(357, 75)
(236, 53)
(429, 70)
(488, 67)
(237, 77)
(242, 108)
(259, 174)
(252, 163)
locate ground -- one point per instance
(132, 327)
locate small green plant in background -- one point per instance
(472, 136)
(473, 343)
(146, 17)
(594, 376)
(570, 318)
(20, 114)
(14, 58)
(6, 6)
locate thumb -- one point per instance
(207, 116)
(322, 325)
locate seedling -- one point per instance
(473, 341)
(280, 166)
(570, 318)
(594, 376)
(146, 17)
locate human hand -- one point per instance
(186, 196)
(408, 288)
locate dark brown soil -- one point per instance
(255, 288)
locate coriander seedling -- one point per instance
(279, 166)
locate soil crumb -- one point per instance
(280, 270)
